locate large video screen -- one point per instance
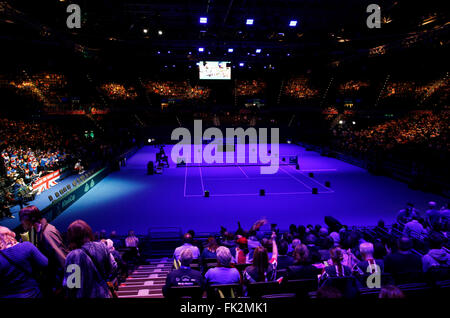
(214, 70)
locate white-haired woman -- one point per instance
(18, 264)
(223, 273)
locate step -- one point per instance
(139, 287)
(139, 293)
(136, 280)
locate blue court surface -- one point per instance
(131, 199)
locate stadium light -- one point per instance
(203, 20)
(249, 22)
(241, 64)
(293, 23)
(258, 51)
(200, 49)
(230, 50)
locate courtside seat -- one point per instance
(177, 292)
(260, 289)
(300, 287)
(241, 267)
(218, 291)
(281, 273)
(415, 289)
(406, 278)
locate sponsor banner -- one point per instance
(46, 182)
(78, 188)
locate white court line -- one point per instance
(317, 182)
(249, 178)
(251, 194)
(243, 172)
(296, 179)
(318, 170)
(201, 179)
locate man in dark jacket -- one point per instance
(184, 276)
(49, 242)
(403, 261)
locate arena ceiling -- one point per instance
(171, 29)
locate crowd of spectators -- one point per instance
(46, 87)
(41, 262)
(250, 87)
(352, 86)
(30, 150)
(119, 92)
(178, 89)
(320, 253)
(424, 130)
(299, 88)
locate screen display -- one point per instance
(214, 70)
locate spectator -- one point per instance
(433, 214)
(117, 242)
(210, 249)
(19, 263)
(184, 276)
(240, 252)
(336, 268)
(406, 215)
(437, 257)
(403, 261)
(187, 239)
(391, 291)
(94, 260)
(132, 242)
(369, 264)
(302, 268)
(223, 273)
(414, 229)
(50, 243)
(262, 269)
(284, 260)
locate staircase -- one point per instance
(147, 280)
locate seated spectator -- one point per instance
(132, 242)
(94, 260)
(184, 276)
(433, 214)
(262, 269)
(187, 240)
(121, 265)
(18, 264)
(437, 257)
(302, 268)
(414, 229)
(369, 264)
(284, 260)
(223, 273)
(326, 244)
(240, 252)
(117, 242)
(210, 249)
(406, 215)
(403, 261)
(391, 291)
(336, 268)
(293, 245)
